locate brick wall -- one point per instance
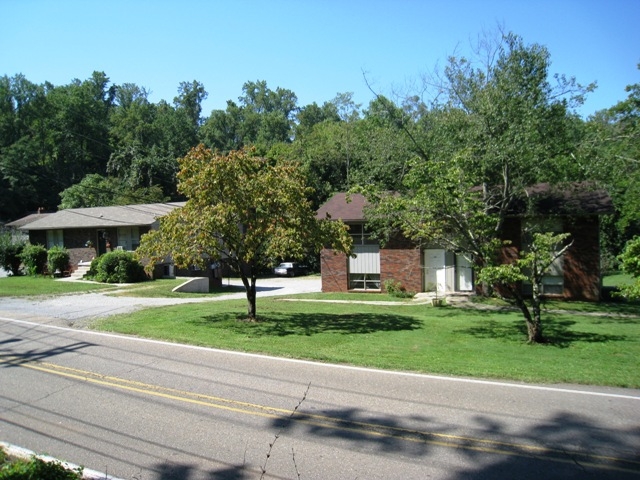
(402, 265)
(582, 260)
(400, 262)
(334, 269)
(75, 242)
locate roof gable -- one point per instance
(345, 207)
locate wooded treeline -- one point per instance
(497, 116)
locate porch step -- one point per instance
(81, 271)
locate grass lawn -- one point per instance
(617, 280)
(26, 285)
(585, 348)
(32, 286)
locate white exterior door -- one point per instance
(464, 271)
(445, 271)
(434, 270)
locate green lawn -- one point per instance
(27, 286)
(39, 285)
(617, 280)
(589, 343)
(585, 348)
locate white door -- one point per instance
(434, 270)
(464, 272)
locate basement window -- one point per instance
(364, 281)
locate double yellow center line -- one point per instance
(336, 423)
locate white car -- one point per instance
(290, 269)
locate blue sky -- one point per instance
(314, 48)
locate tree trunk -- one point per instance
(534, 331)
(249, 282)
(251, 300)
(534, 325)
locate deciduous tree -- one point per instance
(245, 210)
(495, 128)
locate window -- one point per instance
(364, 270)
(364, 281)
(128, 238)
(55, 238)
(361, 235)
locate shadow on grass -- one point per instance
(559, 333)
(281, 325)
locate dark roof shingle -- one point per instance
(345, 207)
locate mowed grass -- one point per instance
(39, 285)
(584, 347)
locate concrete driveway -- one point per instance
(79, 310)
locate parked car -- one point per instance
(290, 269)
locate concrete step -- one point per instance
(82, 270)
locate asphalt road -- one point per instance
(147, 410)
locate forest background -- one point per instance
(92, 142)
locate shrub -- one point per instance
(395, 289)
(36, 468)
(630, 261)
(117, 267)
(58, 259)
(34, 258)
(10, 250)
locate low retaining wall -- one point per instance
(194, 285)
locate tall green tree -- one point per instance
(96, 190)
(24, 146)
(51, 137)
(611, 148)
(244, 209)
(148, 138)
(262, 117)
(494, 129)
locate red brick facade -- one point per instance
(582, 280)
(334, 268)
(400, 264)
(401, 261)
(578, 207)
(581, 263)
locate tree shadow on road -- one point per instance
(564, 445)
(10, 357)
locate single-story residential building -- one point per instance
(90, 232)
(575, 276)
